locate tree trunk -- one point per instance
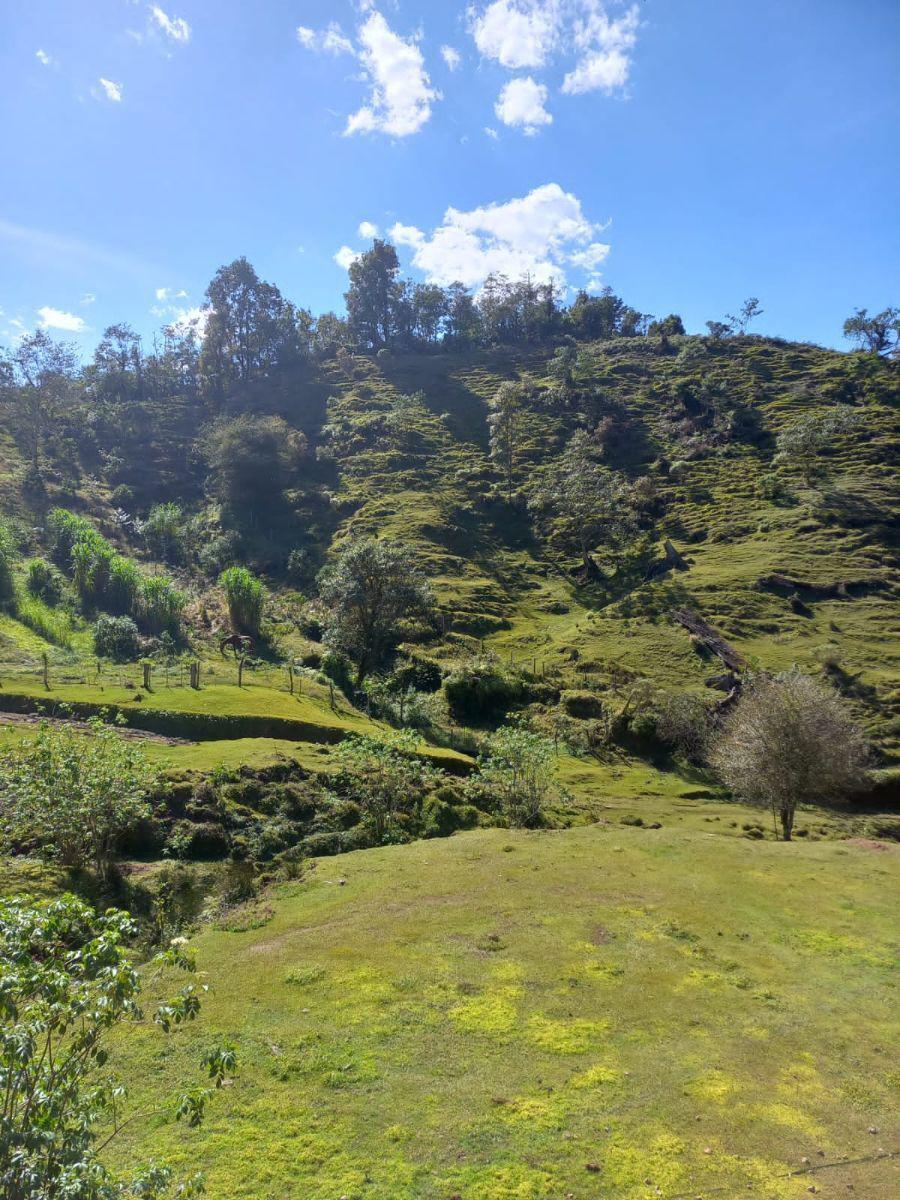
(787, 822)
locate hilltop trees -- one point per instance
(879, 334)
(374, 296)
(251, 329)
(37, 383)
(369, 592)
(790, 741)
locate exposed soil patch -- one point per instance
(124, 731)
(869, 844)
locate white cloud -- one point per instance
(332, 40)
(175, 28)
(88, 298)
(191, 320)
(491, 133)
(345, 257)
(451, 57)
(367, 229)
(517, 33)
(521, 103)
(544, 234)
(55, 318)
(532, 33)
(112, 91)
(44, 58)
(399, 103)
(604, 47)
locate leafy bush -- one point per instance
(516, 773)
(337, 668)
(123, 585)
(245, 596)
(480, 692)
(218, 553)
(160, 605)
(116, 638)
(164, 532)
(43, 580)
(385, 778)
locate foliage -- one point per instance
(73, 795)
(65, 984)
(384, 777)
(43, 580)
(790, 741)
(682, 721)
(52, 624)
(517, 770)
(505, 423)
(591, 503)
(245, 596)
(252, 460)
(479, 691)
(805, 439)
(37, 388)
(879, 334)
(160, 605)
(371, 589)
(163, 531)
(8, 556)
(116, 638)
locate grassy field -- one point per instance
(601, 1011)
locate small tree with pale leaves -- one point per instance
(790, 741)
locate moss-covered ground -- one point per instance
(603, 1011)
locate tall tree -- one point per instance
(250, 330)
(373, 296)
(505, 423)
(590, 503)
(37, 384)
(369, 592)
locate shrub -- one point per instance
(790, 740)
(481, 692)
(516, 771)
(123, 585)
(116, 638)
(245, 596)
(43, 580)
(164, 532)
(218, 553)
(122, 496)
(160, 605)
(584, 705)
(337, 668)
(420, 674)
(682, 721)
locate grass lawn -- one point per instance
(596, 1012)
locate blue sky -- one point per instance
(687, 152)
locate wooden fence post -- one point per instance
(240, 667)
(331, 693)
(290, 671)
(45, 670)
(145, 668)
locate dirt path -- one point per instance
(124, 731)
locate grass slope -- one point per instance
(512, 1016)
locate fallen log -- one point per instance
(709, 637)
(839, 589)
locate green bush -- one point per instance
(116, 638)
(44, 581)
(245, 596)
(160, 605)
(49, 623)
(481, 692)
(164, 532)
(123, 585)
(338, 668)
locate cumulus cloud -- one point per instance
(605, 47)
(55, 318)
(175, 28)
(167, 293)
(400, 92)
(345, 257)
(451, 57)
(44, 58)
(531, 33)
(521, 103)
(544, 234)
(400, 99)
(491, 133)
(112, 91)
(517, 33)
(88, 298)
(368, 229)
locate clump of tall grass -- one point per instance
(52, 624)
